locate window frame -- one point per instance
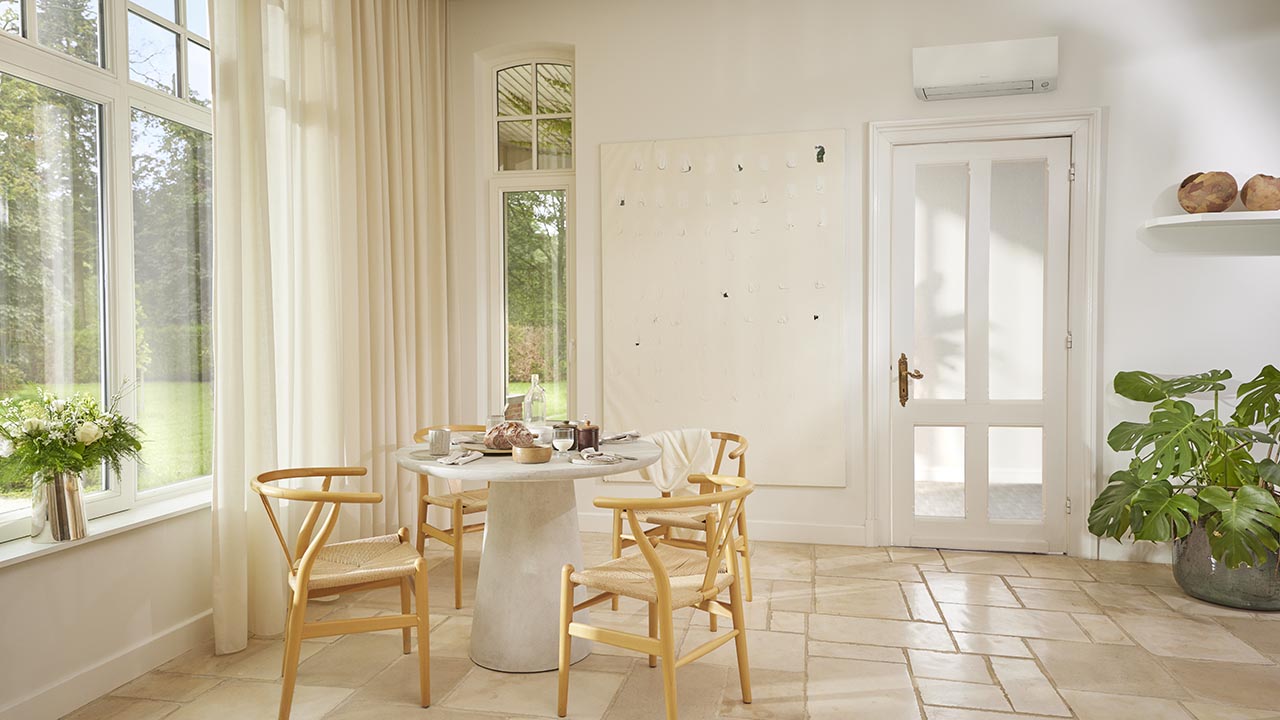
(110, 87)
(535, 116)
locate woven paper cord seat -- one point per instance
(693, 518)
(630, 575)
(473, 501)
(361, 561)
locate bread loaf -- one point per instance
(508, 435)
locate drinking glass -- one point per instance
(494, 421)
(562, 440)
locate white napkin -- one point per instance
(461, 457)
(621, 437)
(591, 456)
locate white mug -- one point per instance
(440, 441)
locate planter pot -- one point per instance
(57, 508)
(1200, 576)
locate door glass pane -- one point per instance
(555, 88)
(515, 145)
(939, 472)
(50, 268)
(1018, 241)
(198, 17)
(153, 54)
(166, 9)
(11, 16)
(199, 79)
(72, 27)
(537, 254)
(1015, 473)
(172, 183)
(942, 227)
(555, 144)
(515, 90)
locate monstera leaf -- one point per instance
(1178, 438)
(1259, 401)
(1269, 472)
(1112, 512)
(1232, 465)
(1161, 514)
(1149, 388)
(1245, 525)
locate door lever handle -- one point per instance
(905, 374)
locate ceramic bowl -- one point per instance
(532, 455)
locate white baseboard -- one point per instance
(66, 694)
(771, 531)
(1136, 551)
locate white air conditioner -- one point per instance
(1008, 67)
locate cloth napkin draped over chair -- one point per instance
(684, 452)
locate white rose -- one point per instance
(58, 405)
(88, 433)
(33, 426)
(6, 447)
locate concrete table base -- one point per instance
(531, 531)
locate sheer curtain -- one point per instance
(330, 321)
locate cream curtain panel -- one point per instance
(330, 321)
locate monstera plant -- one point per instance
(1193, 465)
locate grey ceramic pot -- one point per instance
(1200, 576)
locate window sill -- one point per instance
(22, 549)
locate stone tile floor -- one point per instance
(835, 632)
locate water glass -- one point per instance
(494, 421)
(562, 440)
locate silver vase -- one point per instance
(57, 508)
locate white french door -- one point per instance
(979, 338)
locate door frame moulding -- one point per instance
(1084, 127)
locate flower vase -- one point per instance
(57, 508)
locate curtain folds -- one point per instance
(330, 320)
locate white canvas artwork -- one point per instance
(724, 292)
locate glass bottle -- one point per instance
(535, 403)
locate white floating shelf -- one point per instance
(1249, 232)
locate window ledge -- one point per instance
(22, 549)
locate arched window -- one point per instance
(535, 117)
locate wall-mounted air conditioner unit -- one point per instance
(1009, 67)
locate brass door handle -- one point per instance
(905, 373)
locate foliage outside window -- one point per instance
(535, 117)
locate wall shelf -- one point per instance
(1249, 233)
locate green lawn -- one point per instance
(557, 397)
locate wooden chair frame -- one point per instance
(661, 639)
(457, 529)
(741, 543)
(306, 550)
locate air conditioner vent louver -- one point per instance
(1012, 67)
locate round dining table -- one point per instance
(531, 532)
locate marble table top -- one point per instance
(501, 468)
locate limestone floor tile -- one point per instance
(792, 622)
(969, 589)
(699, 692)
(1028, 689)
(122, 708)
(1064, 600)
(755, 613)
(961, 694)
(915, 556)
(352, 661)
(832, 551)
(1105, 668)
(534, 694)
(872, 631)
(1178, 600)
(1254, 686)
(1124, 597)
(933, 712)
(920, 602)
(848, 651)
(1018, 581)
(1129, 573)
(1053, 566)
(390, 711)
(774, 696)
(1207, 711)
(872, 567)
(1012, 621)
(174, 687)
(982, 562)
(991, 644)
(1101, 706)
(949, 666)
(1262, 635)
(781, 561)
(452, 638)
(1186, 637)
(260, 660)
(860, 597)
(1101, 629)
(398, 683)
(768, 650)
(787, 595)
(843, 689)
(252, 700)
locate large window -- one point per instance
(105, 230)
(532, 124)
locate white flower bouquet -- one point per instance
(49, 435)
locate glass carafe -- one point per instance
(535, 404)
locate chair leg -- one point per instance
(617, 548)
(740, 624)
(746, 554)
(421, 542)
(653, 630)
(288, 615)
(566, 642)
(406, 609)
(457, 554)
(424, 631)
(666, 636)
(292, 651)
(712, 619)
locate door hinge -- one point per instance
(1071, 173)
(1070, 341)
(1068, 506)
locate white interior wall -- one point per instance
(80, 622)
(1184, 85)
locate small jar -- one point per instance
(588, 435)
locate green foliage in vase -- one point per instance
(49, 435)
(1189, 466)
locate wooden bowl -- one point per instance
(532, 455)
(1207, 192)
(1261, 192)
